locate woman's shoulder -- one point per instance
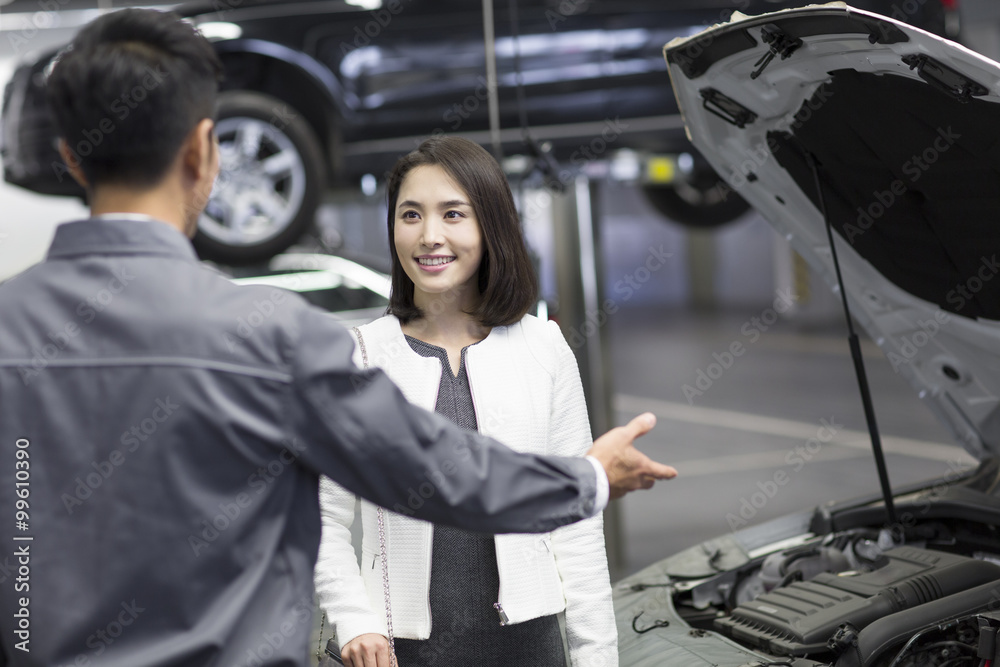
(379, 340)
(542, 339)
(384, 328)
(538, 331)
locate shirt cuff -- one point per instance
(603, 487)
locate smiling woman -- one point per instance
(438, 241)
(452, 171)
(458, 341)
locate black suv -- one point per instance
(319, 93)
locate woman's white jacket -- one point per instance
(527, 394)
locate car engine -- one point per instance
(801, 618)
(851, 599)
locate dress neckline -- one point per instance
(442, 354)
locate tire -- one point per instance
(270, 180)
(701, 201)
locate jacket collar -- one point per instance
(388, 331)
(106, 236)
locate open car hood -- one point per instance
(903, 128)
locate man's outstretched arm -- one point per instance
(359, 429)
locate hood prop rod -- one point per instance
(859, 364)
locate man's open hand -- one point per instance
(629, 469)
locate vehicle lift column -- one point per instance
(579, 282)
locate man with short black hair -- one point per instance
(161, 465)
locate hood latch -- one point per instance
(779, 44)
(945, 79)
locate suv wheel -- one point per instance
(270, 180)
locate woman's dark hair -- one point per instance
(507, 281)
(128, 91)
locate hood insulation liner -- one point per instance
(913, 187)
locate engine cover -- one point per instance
(800, 618)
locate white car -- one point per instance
(352, 292)
(855, 133)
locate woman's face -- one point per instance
(437, 238)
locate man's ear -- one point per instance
(66, 153)
(200, 165)
(199, 153)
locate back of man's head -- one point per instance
(129, 90)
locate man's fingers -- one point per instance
(641, 425)
(659, 470)
(641, 462)
(629, 469)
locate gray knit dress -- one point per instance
(465, 628)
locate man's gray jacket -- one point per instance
(161, 434)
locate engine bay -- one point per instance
(926, 595)
(801, 617)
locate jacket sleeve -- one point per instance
(356, 427)
(339, 584)
(579, 549)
